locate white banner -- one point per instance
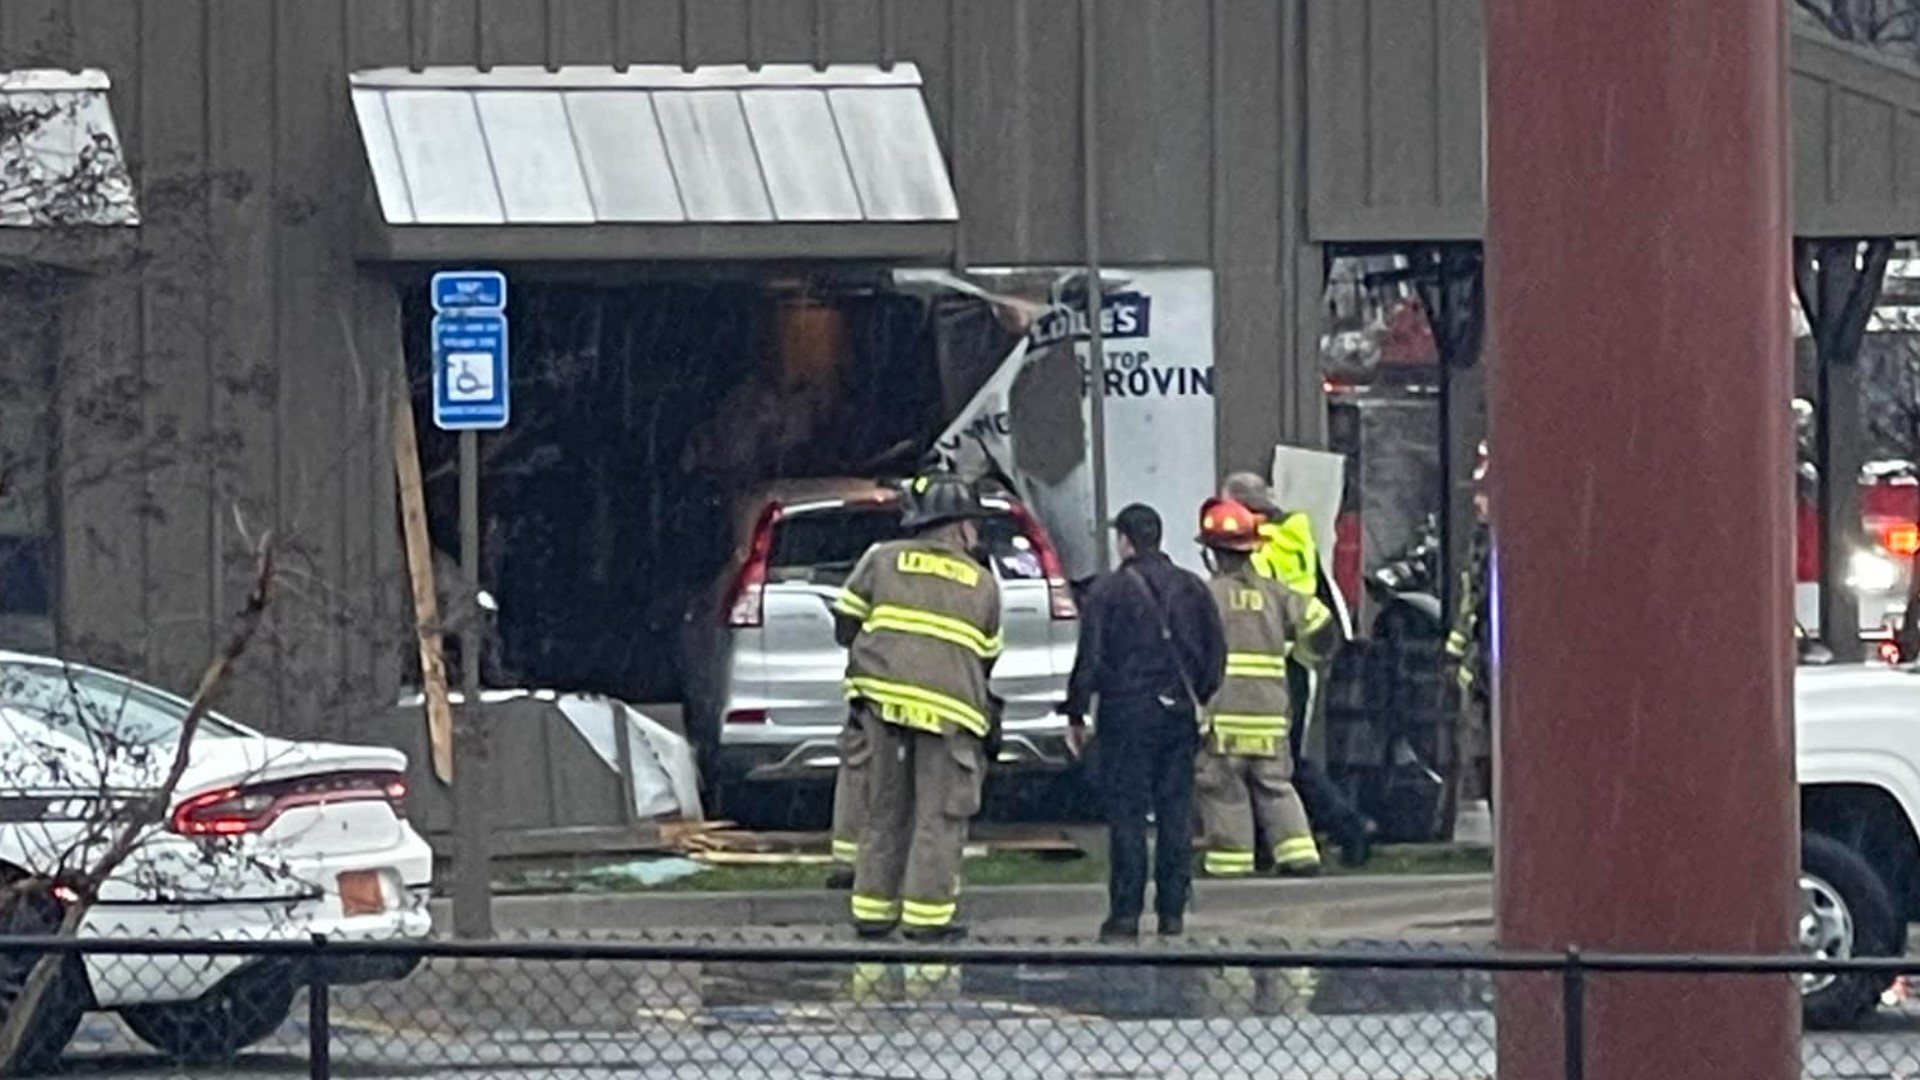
(1158, 376)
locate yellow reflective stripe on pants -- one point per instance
(1229, 863)
(1297, 851)
(1456, 644)
(1250, 723)
(917, 699)
(906, 620)
(927, 915)
(875, 909)
(853, 604)
(845, 851)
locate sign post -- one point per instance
(470, 380)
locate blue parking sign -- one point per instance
(470, 371)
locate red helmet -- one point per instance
(1229, 526)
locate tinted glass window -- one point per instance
(1014, 556)
(821, 547)
(97, 708)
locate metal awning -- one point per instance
(62, 169)
(783, 161)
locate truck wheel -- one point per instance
(60, 1007)
(1845, 913)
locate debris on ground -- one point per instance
(722, 843)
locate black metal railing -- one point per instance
(736, 1006)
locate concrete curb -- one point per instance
(1379, 896)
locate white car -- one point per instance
(765, 676)
(264, 839)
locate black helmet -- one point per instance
(937, 498)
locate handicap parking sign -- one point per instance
(470, 372)
(470, 350)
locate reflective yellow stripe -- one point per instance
(1250, 724)
(877, 909)
(1456, 644)
(916, 700)
(852, 603)
(869, 980)
(906, 620)
(845, 850)
(1297, 851)
(1223, 863)
(920, 913)
(1257, 665)
(1318, 615)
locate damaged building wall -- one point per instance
(247, 340)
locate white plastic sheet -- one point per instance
(665, 780)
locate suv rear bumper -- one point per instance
(817, 757)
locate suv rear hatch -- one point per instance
(785, 667)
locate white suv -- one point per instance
(764, 675)
(264, 840)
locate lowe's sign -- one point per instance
(1122, 315)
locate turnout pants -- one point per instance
(922, 789)
(1238, 794)
(850, 791)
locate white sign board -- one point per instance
(1158, 378)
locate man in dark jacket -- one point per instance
(1151, 647)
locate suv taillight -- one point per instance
(255, 807)
(745, 599)
(1901, 538)
(1059, 593)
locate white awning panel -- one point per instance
(60, 157)
(652, 145)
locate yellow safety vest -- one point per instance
(1289, 555)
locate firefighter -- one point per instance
(849, 801)
(1289, 554)
(920, 618)
(1467, 652)
(1246, 762)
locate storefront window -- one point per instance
(1381, 377)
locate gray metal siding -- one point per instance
(1856, 142)
(1396, 126)
(1397, 134)
(268, 351)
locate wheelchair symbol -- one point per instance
(469, 377)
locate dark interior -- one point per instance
(639, 414)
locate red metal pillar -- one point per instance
(1637, 274)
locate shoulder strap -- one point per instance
(1166, 634)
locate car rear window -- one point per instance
(820, 547)
(99, 709)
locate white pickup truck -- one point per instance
(1859, 766)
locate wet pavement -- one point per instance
(892, 1022)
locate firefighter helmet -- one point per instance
(938, 498)
(1227, 525)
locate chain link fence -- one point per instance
(779, 1007)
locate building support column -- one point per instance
(1642, 525)
(1838, 282)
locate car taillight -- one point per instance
(1889, 652)
(1059, 593)
(254, 808)
(744, 599)
(1902, 539)
(747, 716)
